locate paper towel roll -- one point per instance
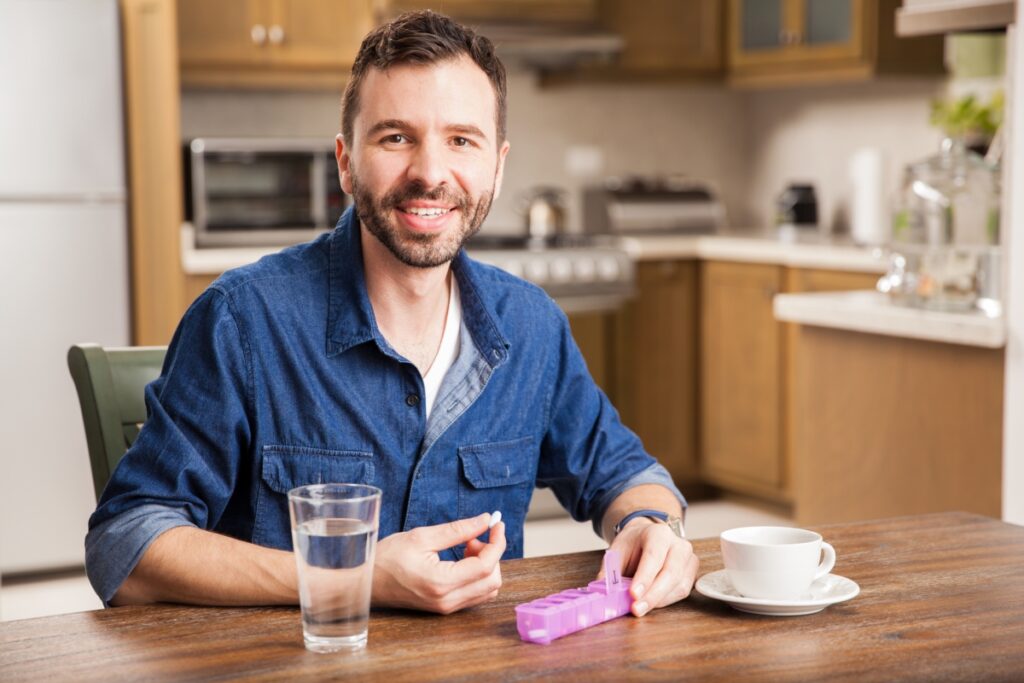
(870, 222)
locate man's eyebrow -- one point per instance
(388, 124)
(467, 129)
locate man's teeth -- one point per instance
(427, 213)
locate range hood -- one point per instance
(549, 47)
(930, 17)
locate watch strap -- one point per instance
(656, 515)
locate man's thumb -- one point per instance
(444, 536)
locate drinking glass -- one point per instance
(334, 533)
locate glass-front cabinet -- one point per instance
(765, 35)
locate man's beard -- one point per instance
(416, 249)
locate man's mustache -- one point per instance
(416, 190)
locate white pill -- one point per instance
(495, 518)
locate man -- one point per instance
(382, 354)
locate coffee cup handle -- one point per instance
(828, 562)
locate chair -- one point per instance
(111, 384)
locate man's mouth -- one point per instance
(425, 212)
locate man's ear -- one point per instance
(344, 164)
(500, 173)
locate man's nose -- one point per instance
(428, 165)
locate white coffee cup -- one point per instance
(775, 562)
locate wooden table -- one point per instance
(942, 598)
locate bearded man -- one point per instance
(382, 354)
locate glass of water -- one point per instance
(334, 533)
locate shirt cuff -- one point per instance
(655, 474)
(114, 547)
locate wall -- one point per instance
(809, 135)
(750, 144)
(638, 128)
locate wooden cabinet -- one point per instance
(666, 38)
(469, 11)
(748, 410)
(291, 43)
(656, 365)
(779, 42)
(741, 379)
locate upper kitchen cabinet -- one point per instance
(787, 42)
(666, 38)
(270, 43)
(490, 11)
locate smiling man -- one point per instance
(382, 354)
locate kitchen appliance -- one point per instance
(651, 205)
(544, 211)
(260, 192)
(797, 206)
(582, 273)
(63, 261)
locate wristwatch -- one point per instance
(674, 523)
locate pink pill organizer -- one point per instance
(543, 620)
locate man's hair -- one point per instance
(422, 38)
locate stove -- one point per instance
(582, 273)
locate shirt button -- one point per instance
(412, 400)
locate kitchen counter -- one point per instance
(798, 251)
(874, 313)
(809, 251)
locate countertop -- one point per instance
(874, 313)
(750, 246)
(796, 250)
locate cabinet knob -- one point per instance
(276, 34)
(258, 34)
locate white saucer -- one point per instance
(826, 591)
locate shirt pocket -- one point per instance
(287, 467)
(499, 476)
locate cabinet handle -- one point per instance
(276, 34)
(259, 34)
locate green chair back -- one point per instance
(111, 385)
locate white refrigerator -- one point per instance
(63, 261)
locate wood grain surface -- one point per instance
(942, 598)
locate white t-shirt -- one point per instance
(448, 350)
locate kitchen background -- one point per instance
(748, 143)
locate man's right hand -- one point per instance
(409, 573)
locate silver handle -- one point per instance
(258, 34)
(276, 34)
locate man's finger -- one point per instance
(470, 569)
(474, 593)
(670, 584)
(654, 550)
(450, 534)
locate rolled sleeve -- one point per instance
(655, 474)
(113, 548)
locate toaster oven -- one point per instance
(261, 192)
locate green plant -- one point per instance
(967, 117)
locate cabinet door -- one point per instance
(760, 25)
(656, 365)
(500, 10)
(666, 36)
(223, 33)
(741, 346)
(317, 34)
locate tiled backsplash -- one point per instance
(749, 143)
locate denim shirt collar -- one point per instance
(350, 325)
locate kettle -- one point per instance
(544, 212)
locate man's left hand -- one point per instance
(662, 565)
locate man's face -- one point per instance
(424, 163)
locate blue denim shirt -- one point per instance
(278, 376)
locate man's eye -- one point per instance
(394, 138)
(460, 141)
